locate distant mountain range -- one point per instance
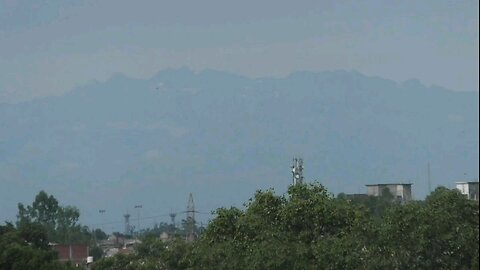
(126, 141)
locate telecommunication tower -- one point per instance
(190, 219)
(127, 223)
(297, 171)
(172, 218)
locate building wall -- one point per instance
(74, 253)
(402, 192)
(469, 189)
(373, 191)
(463, 188)
(407, 193)
(473, 191)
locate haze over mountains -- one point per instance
(110, 145)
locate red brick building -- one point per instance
(75, 253)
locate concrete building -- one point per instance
(469, 189)
(164, 237)
(400, 191)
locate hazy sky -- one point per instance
(49, 47)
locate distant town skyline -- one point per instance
(49, 48)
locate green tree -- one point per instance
(274, 232)
(376, 205)
(26, 247)
(61, 223)
(100, 235)
(309, 229)
(440, 233)
(117, 262)
(96, 252)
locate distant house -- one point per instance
(118, 244)
(75, 253)
(113, 240)
(400, 191)
(164, 236)
(469, 189)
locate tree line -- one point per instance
(306, 228)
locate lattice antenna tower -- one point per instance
(190, 219)
(172, 219)
(127, 223)
(297, 171)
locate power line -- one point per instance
(148, 217)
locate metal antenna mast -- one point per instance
(190, 219)
(127, 223)
(172, 218)
(297, 171)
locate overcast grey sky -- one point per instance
(49, 47)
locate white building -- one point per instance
(400, 191)
(469, 189)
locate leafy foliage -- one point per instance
(61, 223)
(26, 247)
(307, 228)
(151, 254)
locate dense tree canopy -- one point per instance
(27, 245)
(307, 228)
(60, 222)
(310, 229)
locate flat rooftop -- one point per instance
(390, 184)
(467, 182)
